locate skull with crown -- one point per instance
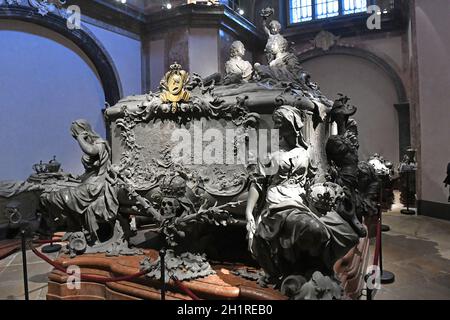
(172, 188)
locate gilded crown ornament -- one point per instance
(174, 88)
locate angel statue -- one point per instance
(272, 30)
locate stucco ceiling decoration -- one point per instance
(325, 40)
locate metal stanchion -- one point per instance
(162, 255)
(24, 264)
(376, 261)
(51, 248)
(386, 276)
(369, 292)
(384, 228)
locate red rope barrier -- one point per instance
(14, 244)
(186, 290)
(59, 267)
(17, 247)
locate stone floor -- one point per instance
(11, 277)
(416, 250)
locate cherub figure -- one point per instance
(272, 29)
(274, 26)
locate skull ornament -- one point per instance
(169, 207)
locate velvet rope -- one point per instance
(14, 244)
(186, 290)
(59, 267)
(17, 245)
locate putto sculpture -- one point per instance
(272, 30)
(295, 208)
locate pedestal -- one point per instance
(224, 285)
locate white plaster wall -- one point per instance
(371, 91)
(126, 54)
(46, 82)
(433, 45)
(203, 51)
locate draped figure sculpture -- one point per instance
(285, 236)
(95, 199)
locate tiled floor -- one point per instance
(416, 250)
(11, 277)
